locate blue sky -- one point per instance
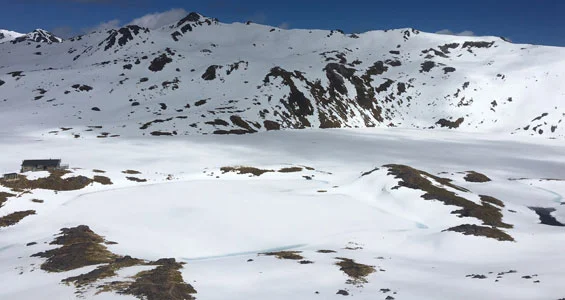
(523, 21)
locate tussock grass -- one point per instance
(102, 180)
(15, 218)
(292, 255)
(4, 197)
(487, 213)
(357, 272)
(52, 182)
(473, 176)
(245, 170)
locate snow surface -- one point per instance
(216, 224)
(7, 35)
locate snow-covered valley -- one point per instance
(216, 221)
(426, 166)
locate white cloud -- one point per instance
(112, 24)
(157, 20)
(284, 25)
(462, 33)
(259, 18)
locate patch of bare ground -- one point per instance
(292, 255)
(53, 182)
(245, 170)
(326, 251)
(102, 180)
(81, 247)
(419, 180)
(490, 232)
(473, 176)
(104, 271)
(135, 179)
(131, 172)
(357, 272)
(450, 124)
(98, 171)
(37, 201)
(491, 200)
(163, 282)
(4, 197)
(15, 218)
(290, 170)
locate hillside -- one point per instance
(202, 76)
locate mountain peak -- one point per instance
(39, 36)
(7, 35)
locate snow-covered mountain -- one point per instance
(38, 36)
(413, 213)
(7, 35)
(202, 76)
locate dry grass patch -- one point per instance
(53, 182)
(98, 171)
(292, 255)
(80, 247)
(290, 170)
(163, 282)
(135, 179)
(37, 201)
(491, 200)
(103, 272)
(102, 180)
(326, 251)
(476, 230)
(418, 180)
(15, 218)
(245, 170)
(4, 197)
(473, 176)
(131, 172)
(356, 272)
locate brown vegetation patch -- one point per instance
(104, 271)
(52, 182)
(98, 171)
(292, 255)
(326, 251)
(245, 170)
(476, 230)
(290, 170)
(473, 176)
(4, 197)
(135, 179)
(418, 180)
(15, 218)
(37, 201)
(356, 272)
(102, 180)
(491, 200)
(163, 282)
(80, 247)
(131, 172)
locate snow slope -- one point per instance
(202, 76)
(441, 200)
(218, 223)
(7, 35)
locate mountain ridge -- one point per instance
(246, 78)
